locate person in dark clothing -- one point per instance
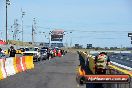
(12, 51)
(48, 54)
(8, 50)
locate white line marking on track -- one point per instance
(120, 65)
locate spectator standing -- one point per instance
(12, 51)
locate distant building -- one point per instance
(46, 44)
(57, 45)
(77, 46)
(89, 46)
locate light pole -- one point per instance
(23, 13)
(71, 40)
(33, 31)
(49, 38)
(7, 3)
(66, 44)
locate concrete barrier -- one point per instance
(29, 62)
(3, 73)
(12, 65)
(9, 66)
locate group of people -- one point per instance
(55, 52)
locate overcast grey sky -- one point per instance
(86, 18)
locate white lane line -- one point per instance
(120, 65)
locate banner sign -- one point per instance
(57, 35)
(129, 34)
(107, 78)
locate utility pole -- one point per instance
(23, 13)
(33, 30)
(32, 35)
(12, 32)
(66, 36)
(50, 38)
(7, 3)
(71, 40)
(16, 27)
(14, 35)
